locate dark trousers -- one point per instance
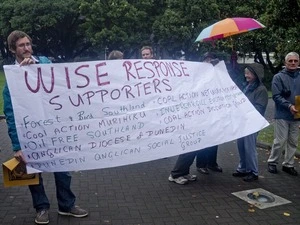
(207, 157)
(183, 164)
(64, 195)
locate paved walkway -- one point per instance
(141, 194)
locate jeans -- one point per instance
(248, 154)
(65, 197)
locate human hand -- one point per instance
(19, 156)
(27, 61)
(293, 109)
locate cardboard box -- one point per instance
(15, 174)
(297, 106)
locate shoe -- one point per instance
(239, 174)
(251, 177)
(216, 169)
(190, 177)
(178, 180)
(272, 168)
(203, 170)
(290, 170)
(76, 211)
(42, 217)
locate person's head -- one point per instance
(20, 44)
(292, 61)
(115, 54)
(210, 57)
(147, 52)
(254, 72)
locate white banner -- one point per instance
(99, 114)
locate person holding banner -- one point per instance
(181, 171)
(257, 94)
(205, 157)
(147, 52)
(286, 95)
(115, 54)
(20, 44)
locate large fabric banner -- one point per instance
(99, 114)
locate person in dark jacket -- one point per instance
(20, 44)
(285, 88)
(257, 94)
(206, 158)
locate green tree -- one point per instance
(178, 27)
(119, 24)
(53, 25)
(72, 28)
(282, 19)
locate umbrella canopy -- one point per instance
(228, 27)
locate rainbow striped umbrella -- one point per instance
(228, 27)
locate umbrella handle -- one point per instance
(213, 43)
(231, 43)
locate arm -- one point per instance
(10, 120)
(9, 112)
(277, 90)
(261, 100)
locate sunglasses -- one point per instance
(293, 60)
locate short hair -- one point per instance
(147, 47)
(14, 36)
(291, 54)
(210, 55)
(115, 54)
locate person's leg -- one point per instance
(39, 197)
(242, 163)
(201, 159)
(251, 154)
(183, 164)
(40, 202)
(281, 128)
(65, 197)
(212, 156)
(292, 143)
(212, 159)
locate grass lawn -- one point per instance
(266, 135)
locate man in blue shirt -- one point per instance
(20, 44)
